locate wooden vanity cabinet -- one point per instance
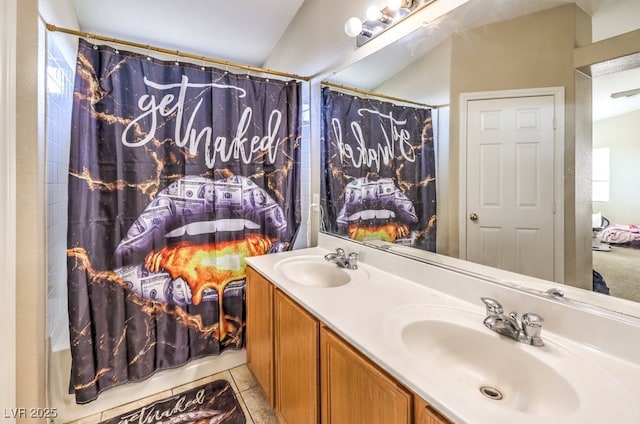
(259, 332)
(354, 390)
(296, 359)
(282, 351)
(309, 374)
(423, 413)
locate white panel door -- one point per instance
(510, 184)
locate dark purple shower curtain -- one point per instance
(378, 170)
(177, 173)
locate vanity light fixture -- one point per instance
(379, 19)
(353, 27)
(374, 13)
(394, 5)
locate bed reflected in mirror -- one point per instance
(616, 257)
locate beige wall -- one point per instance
(30, 244)
(527, 52)
(7, 203)
(620, 135)
(432, 73)
(580, 259)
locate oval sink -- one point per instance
(490, 367)
(480, 368)
(314, 271)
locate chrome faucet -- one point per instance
(555, 292)
(527, 331)
(343, 260)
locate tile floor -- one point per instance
(255, 406)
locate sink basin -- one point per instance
(315, 271)
(477, 366)
(491, 367)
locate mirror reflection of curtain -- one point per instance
(177, 173)
(378, 170)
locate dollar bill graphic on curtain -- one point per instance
(177, 174)
(378, 170)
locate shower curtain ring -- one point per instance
(148, 52)
(177, 56)
(93, 40)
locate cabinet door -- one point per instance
(296, 352)
(425, 414)
(259, 331)
(354, 390)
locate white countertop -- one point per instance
(367, 312)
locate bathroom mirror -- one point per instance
(509, 47)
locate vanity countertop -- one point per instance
(568, 380)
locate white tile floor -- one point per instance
(255, 406)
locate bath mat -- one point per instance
(212, 403)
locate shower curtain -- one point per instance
(378, 170)
(177, 173)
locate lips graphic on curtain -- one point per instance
(191, 241)
(177, 173)
(378, 174)
(376, 210)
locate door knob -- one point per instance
(473, 216)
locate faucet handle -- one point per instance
(532, 320)
(493, 306)
(340, 251)
(532, 327)
(352, 260)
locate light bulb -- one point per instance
(374, 13)
(353, 26)
(394, 4)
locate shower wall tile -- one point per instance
(59, 92)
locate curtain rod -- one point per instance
(90, 36)
(374, 94)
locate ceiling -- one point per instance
(308, 33)
(238, 31)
